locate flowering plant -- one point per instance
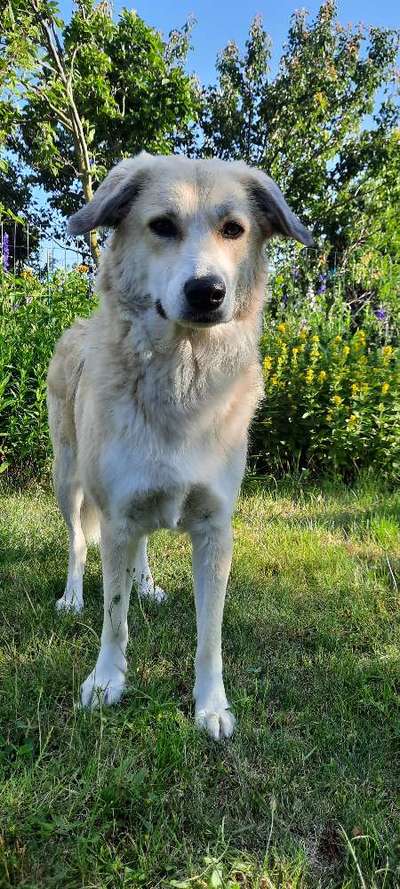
(332, 393)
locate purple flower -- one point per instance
(284, 298)
(322, 283)
(5, 249)
(295, 272)
(381, 314)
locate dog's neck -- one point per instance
(163, 362)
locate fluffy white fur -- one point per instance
(149, 405)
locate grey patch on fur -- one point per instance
(108, 207)
(272, 205)
(141, 505)
(133, 300)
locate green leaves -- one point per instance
(27, 309)
(331, 390)
(91, 92)
(306, 126)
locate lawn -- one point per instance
(306, 794)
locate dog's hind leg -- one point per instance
(141, 573)
(70, 498)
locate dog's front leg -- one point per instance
(106, 682)
(212, 556)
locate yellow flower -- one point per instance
(282, 327)
(82, 268)
(351, 421)
(359, 339)
(309, 376)
(303, 333)
(387, 354)
(355, 388)
(322, 376)
(385, 388)
(337, 340)
(346, 351)
(274, 380)
(267, 363)
(283, 355)
(315, 339)
(337, 400)
(295, 351)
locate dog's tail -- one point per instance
(90, 521)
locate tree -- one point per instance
(310, 127)
(20, 219)
(18, 215)
(91, 92)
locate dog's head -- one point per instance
(188, 234)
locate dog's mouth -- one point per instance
(203, 319)
(160, 310)
(193, 319)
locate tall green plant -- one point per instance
(332, 390)
(32, 318)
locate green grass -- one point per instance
(306, 794)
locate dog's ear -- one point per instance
(113, 198)
(275, 216)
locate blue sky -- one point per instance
(219, 21)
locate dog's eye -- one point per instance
(232, 230)
(163, 227)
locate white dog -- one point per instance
(151, 398)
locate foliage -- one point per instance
(302, 796)
(32, 317)
(76, 97)
(331, 388)
(91, 92)
(316, 126)
(374, 252)
(19, 216)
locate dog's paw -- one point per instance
(71, 601)
(219, 723)
(148, 590)
(105, 684)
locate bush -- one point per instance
(331, 391)
(32, 317)
(331, 379)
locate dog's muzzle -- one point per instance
(204, 297)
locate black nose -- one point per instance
(205, 294)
